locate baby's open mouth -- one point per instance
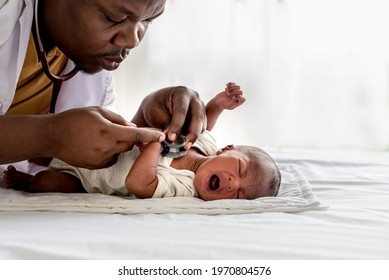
(214, 183)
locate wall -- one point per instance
(314, 72)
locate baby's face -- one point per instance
(229, 176)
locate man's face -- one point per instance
(98, 34)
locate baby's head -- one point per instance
(243, 172)
(268, 176)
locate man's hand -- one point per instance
(175, 110)
(93, 137)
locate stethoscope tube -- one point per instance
(57, 80)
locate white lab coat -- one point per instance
(83, 90)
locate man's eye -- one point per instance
(111, 20)
(114, 20)
(147, 22)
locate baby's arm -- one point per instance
(142, 179)
(230, 98)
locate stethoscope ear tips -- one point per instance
(174, 149)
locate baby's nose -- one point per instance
(232, 184)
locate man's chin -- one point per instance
(89, 69)
(90, 72)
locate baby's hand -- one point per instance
(231, 97)
(156, 146)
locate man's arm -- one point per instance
(89, 137)
(142, 179)
(24, 137)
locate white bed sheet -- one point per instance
(354, 185)
(295, 194)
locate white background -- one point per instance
(314, 72)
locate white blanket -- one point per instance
(295, 195)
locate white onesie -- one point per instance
(171, 181)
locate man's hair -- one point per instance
(259, 160)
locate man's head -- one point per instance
(243, 172)
(97, 34)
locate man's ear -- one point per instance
(226, 148)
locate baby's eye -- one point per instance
(239, 195)
(242, 169)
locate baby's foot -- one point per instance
(15, 179)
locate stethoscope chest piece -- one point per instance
(173, 149)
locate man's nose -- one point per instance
(130, 35)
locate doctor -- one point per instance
(56, 55)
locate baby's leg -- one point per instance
(55, 181)
(15, 179)
(44, 181)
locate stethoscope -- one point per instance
(173, 149)
(57, 80)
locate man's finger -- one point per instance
(114, 117)
(138, 134)
(180, 111)
(195, 129)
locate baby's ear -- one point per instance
(226, 148)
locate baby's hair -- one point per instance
(255, 154)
